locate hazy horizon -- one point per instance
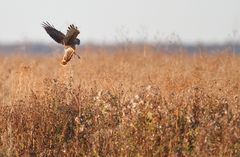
(188, 21)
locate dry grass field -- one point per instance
(121, 103)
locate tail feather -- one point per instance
(67, 55)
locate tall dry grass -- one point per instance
(124, 103)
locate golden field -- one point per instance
(120, 102)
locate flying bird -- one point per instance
(69, 41)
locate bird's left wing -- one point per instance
(54, 33)
(71, 35)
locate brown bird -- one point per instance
(69, 41)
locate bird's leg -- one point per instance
(77, 55)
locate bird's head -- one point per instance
(77, 41)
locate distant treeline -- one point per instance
(166, 47)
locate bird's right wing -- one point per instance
(55, 34)
(71, 35)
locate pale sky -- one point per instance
(110, 20)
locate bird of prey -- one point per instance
(69, 41)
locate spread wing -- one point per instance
(71, 35)
(55, 34)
